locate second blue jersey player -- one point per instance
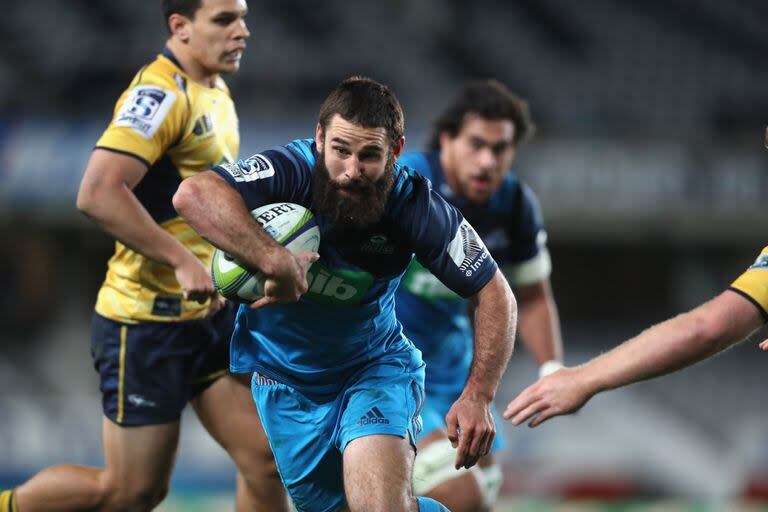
(337, 385)
(472, 149)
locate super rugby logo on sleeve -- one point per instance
(466, 249)
(761, 262)
(258, 167)
(145, 109)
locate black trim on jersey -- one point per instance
(156, 189)
(126, 153)
(141, 74)
(763, 312)
(168, 54)
(186, 95)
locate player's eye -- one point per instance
(500, 148)
(224, 20)
(372, 156)
(341, 150)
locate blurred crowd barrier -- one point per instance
(591, 188)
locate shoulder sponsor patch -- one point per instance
(257, 167)
(145, 109)
(467, 249)
(761, 262)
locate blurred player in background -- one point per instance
(160, 334)
(664, 348)
(337, 384)
(474, 144)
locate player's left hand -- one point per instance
(471, 428)
(764, 345)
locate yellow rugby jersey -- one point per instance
(178, 128)
(753, 284)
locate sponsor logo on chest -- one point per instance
(337, 286)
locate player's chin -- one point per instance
(478, 196)
(229, 65)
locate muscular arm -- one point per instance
(495, 321)
(470, 425)
(217, 211)
(676, 343)
(106, 196)
(671, 345)
(539, 323)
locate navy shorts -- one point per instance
(150, 370)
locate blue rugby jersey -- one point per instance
(434, 317)
(347, 318)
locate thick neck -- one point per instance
(190, 66)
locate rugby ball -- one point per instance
(292, 225)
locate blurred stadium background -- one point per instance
(649, 163)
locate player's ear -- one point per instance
(179, 26)
(319, 138)
(399, 145)
(445, 138)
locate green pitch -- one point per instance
(225, 502)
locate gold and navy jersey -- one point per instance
(178, 128)
(753, 284)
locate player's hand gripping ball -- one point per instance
(292, 225)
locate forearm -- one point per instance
(675, 343)
(540, 324)
(218, 213)
(495, 321)
(117, 211)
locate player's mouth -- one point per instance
(480, 182)
(350, 191)
(233, 55)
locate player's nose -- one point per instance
(487, 158)
(242, 30)
(353, 168)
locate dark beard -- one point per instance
(351, 211)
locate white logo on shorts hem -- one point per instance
(145, 109)
(140, 401)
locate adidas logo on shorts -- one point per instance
(261, 380)
(373, 417)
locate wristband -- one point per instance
(549, 367)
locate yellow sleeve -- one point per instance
(149, 117)
(753, 284)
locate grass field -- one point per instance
(224, 502)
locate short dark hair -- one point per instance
(489, 99)
(367, 103)
(186, 8)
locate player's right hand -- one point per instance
(562, 392)
(288, 280)
(471, 428)
(194, 279)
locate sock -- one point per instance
(8, 502)
(430, 505)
